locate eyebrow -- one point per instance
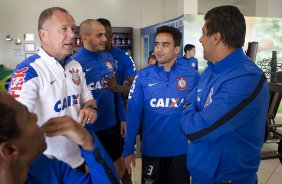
(163, 42)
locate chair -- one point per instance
(272, 132)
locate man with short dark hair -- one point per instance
(225, 119)
(22, 144)
(155, 101)
(189, 53)
(125, 65)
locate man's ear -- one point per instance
(177, 49)
(217, 38)
(84, 38)
(43, 35)
(9, 151)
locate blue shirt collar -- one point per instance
(88, 52)
(232, 60)
(161, 68)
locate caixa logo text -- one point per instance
(166, 102)
(66, 102)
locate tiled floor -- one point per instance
(270, 171)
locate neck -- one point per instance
(50, 53)
(167, 65)
(13, 175)
(187, 55)
(222, 53)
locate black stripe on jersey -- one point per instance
(108, 170)
(230, 114)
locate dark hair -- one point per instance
(229, 22)
(176, 34)
(188, 47)
(105, 22)
(8, 125)
(47, 13)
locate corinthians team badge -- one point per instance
(182, 83)
(75, 76)
(109, 66)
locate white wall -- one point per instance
(254, 8)
(18, 17)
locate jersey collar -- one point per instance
(232, 60)
(88, 52)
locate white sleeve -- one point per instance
(25, 86)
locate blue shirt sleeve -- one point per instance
(120, 109)
(194, 120)
(134, 115)
(101, 168)
(126, 65)
(47, 169)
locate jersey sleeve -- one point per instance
(203, 123)
(24, 85)
(85, 92)
(134, 115)
(125, 62)
(119, 104)
(129, 66)
(101, 168)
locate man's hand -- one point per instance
(129, 161)
(67, 127)
(87, 115)
(111, 83)
(122, 128)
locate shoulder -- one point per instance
(182, 60)
(26, 68)
(147, 70)
(116, 51)
(80, 56)
(182, 65)
(77, 55)
(41, 162)
(28, 61)
(121, 55)
(194, 59)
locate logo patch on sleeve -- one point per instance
(17, 82)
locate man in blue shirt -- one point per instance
(155, 101)
(97, 65)
(22, 144)
(125, 70)
(189, 52)
(125, 65)
(225, 116)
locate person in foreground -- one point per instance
(51, 84)
(22, 144)
(226, 114)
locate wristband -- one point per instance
(93, 107)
